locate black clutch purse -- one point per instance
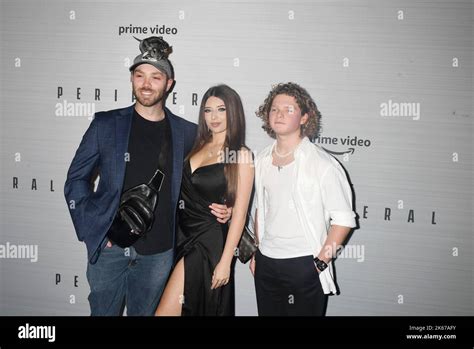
(247, 245)
(135, 215)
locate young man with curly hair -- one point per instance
(304, 208)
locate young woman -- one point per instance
(216, 170)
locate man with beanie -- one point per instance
(128, 223)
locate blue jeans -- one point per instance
(122, 276)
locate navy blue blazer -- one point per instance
(102, 152)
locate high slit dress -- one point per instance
(200, 241)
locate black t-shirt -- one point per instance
(144, 148)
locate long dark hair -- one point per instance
(235, 133)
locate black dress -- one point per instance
(201, 239)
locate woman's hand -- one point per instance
(222, 212)
(221, 275)
(252, 265)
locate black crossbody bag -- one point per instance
(136, 212)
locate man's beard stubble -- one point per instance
(147, 102)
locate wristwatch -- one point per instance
(321, 265)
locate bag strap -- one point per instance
(251, 224)
(156, 181)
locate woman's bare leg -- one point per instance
(172, 300)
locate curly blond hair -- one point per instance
(311, 127)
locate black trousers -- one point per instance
(288, 287)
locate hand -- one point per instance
(222, 212)
(252, 265)
(109, 244)
(221, 275)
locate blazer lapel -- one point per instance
(177, 141)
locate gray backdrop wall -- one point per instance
(393, 80)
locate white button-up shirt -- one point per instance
(321, 193)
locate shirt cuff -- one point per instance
(343, 218)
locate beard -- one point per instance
(150, 100)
